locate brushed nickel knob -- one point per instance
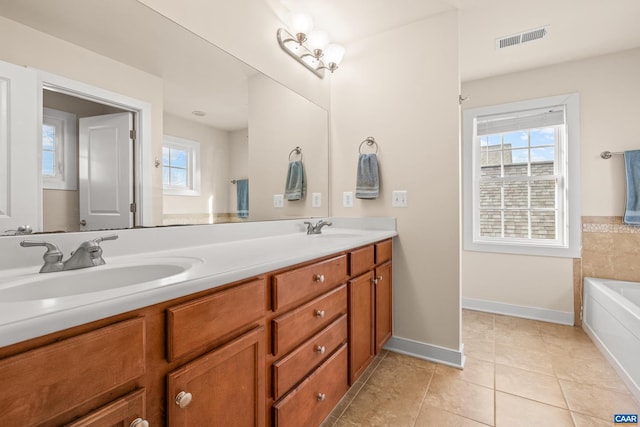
(320, 313)
(83, 222)
(320, 349)
(321, 397)
(139, 422)
(379, 278)
(319, 278)
(183, 399)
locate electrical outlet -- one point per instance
(399, 199)
(347, 199)
(316, 200)
(278, 200)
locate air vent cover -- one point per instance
(521, 38)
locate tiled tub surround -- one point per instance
(228, 253)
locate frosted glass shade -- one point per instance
(300, 23)
(317, 39)
(333, 53)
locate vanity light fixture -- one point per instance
(310, 48)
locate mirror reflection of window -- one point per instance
(180, 166)
(59, 142)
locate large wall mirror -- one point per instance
(213, 137)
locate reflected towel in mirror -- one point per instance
(632, 169)
(368, 181)
(242, 190)
(296, 186)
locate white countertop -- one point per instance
(212, 265)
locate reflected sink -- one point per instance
(95, 279)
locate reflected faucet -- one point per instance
(88, 254)
(317, 228)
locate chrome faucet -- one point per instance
(316, 229)
(88, 254)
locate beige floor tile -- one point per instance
(461, 398)
(514, 411)
(581, 420)
(480, 345)
(596, 372)
(517, 324)
(531, 385)
(435, 417)
(518, 338)
(476, 371)
(596, 401)
(392, 395)
(576, 348)
(477, 320)
(532, 359)
(563, 331)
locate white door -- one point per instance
(106, 171)
(20, 140)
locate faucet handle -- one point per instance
(52, 257)
(103, 238)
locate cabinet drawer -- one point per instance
(384, 251)
(311, 402)
(69, 373)
(120, 412)
(300, 283)
(361, 260)
(292, 368)
(292, 328)
(196, 324)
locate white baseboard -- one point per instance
(424, 351)
(553, 316)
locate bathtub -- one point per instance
(611, 317)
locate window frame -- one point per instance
(193, 166)
(567, 198)
(66, 150)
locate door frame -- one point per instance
(143, 144)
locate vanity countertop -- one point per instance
(210, 265)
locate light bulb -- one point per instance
(317, 39)
(333, 54)
(300, 23)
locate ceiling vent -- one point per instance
(521, 38)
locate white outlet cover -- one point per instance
(347, 199)
(399, 199)
(316, 200)
(278, 200)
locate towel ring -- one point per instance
(296, 150)
(370, 142)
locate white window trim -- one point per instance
(572, 227)
(66, 149)
(193, 166)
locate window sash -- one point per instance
(191, 168)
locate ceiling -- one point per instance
(578, 28)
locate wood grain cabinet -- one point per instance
(309, 333)
(277, 350)
(370, 304)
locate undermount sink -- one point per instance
(96, 279)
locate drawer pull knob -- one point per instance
(320, 349)
(139, 422)
(319, 278)
(183, 399)
(320, 314)
(379, 278)
(321, 397)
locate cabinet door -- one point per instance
(222, 388)
(361, 324)
(383, 305)
(120, 412)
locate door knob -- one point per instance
(183, 399)
(139, 422)
(83, 222)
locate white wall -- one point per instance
(609, 88)
(405, 95)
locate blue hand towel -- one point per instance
(296, 186)
(242, 190)
(367, 182)
(632, 166)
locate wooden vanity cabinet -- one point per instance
(370, 304)
(309, 336)
(127, 411)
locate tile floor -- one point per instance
(518, 372)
